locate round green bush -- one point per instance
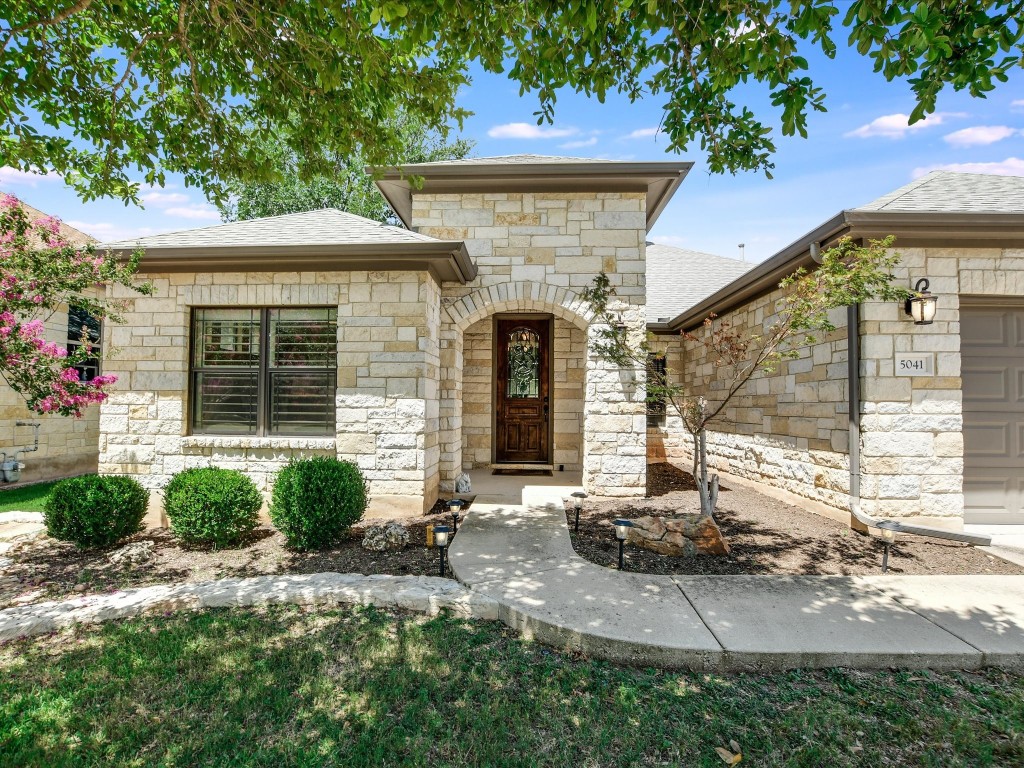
(95, 510)
(208, 506)
(315, 501)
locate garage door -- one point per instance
(992, 354)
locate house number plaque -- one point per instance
(915, 364)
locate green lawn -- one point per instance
(364, 687)
(28, 498)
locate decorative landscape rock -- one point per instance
(463, 484)
(132, 554)
(678, 536)
(389, 537)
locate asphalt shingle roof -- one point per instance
(678, 278)
(954, 192)
(327, 226)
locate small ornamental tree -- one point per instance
(848, 274)
(41, 273)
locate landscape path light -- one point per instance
(454, 507)
(621, 532)
(923, 304)
(577, 505)
(887, 530)
(441, 542)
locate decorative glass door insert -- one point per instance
(524, 349)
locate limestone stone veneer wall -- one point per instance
(386, 401)
(536, 253)
(789, 429)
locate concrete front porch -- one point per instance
(522, 489)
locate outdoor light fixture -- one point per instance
(441, 542)
(922, 306)
(454, 507)
(577, 505)
(621, 531)
(617, 310)
(887, 530)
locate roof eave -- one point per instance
(659, 180)
(911, 229)
(448, 261)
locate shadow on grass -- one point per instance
(368, 687)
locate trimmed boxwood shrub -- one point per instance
(208, 506)
(95, 510)
(315, 501)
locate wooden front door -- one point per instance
(522, 350)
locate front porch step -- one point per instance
(548, 467)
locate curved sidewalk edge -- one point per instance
(523, 558)
(423, 594)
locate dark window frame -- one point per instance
(93, 366)
(657, 368)
(264, 372)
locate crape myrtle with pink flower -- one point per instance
(42, 274)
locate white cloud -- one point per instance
(581, 143)
(897, 126)
(643, 133)
(1017, 105)
(106, 232)
(162, 199)
(10, 175)
(1011, 166)
(979, 135)
(201, 211)
(529, 131)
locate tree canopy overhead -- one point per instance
(346, 186)
(101, 90)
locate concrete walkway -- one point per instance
(521, 555)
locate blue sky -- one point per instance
(860, 149)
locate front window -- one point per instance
(83, 328)
(264, 371)
(656, 375)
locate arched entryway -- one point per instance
(487, 416)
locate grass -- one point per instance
(27, 498)
(362, 687)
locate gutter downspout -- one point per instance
(858, 520)
(853, 391)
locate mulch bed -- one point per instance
(767, 536)
(49, 569)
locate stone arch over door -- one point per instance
(613, 429)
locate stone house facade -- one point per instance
(458, 342)
(940, 410)
(66, 446)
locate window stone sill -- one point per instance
(232, 441)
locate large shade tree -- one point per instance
(346, 186)
(101, 90)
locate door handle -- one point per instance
(545, 407)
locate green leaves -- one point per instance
(115, 91)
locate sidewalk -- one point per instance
(522, 556)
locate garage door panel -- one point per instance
(984, 329)
(990, 385)
(991, 440)
(992, 367)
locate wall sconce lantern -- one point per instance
(922, 306)
(617, 309)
